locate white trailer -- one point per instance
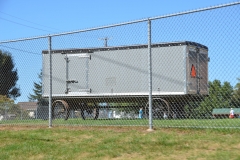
(120, 74)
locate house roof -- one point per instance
(217, 111)
(28, 105)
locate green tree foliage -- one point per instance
(236, 95)
(7, 104)
(8, 76)
(220, 96)
(37, 93)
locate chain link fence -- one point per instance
(178, 70)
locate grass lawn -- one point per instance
(117, 142)
(180, 123)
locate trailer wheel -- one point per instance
(60, 110)
(159, 108)
(89, 112)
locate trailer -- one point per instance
(85, 78)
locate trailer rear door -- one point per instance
(197, 71)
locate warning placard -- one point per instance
(193, 71)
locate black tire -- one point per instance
(60, 110)
(159, 107)
(97, 113)
(89, 112)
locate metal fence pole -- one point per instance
(150, 75)
(50, 80)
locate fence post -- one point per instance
(50, 80)
(150, 75)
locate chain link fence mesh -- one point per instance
(100, 76)
(27, 63)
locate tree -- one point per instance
(37, 96)
(236, 95)
(4, 101)
(7, 106)
(220, 96)
(8, 76)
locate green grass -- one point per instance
(180, 123)
(24, 142)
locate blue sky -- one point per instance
(20, 19)
(59, 16)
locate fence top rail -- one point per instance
(126, 23)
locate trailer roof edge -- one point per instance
(137, 46)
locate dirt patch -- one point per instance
(118, 129)
(17, 128)
(101, 128)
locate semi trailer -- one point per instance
(85, 78)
